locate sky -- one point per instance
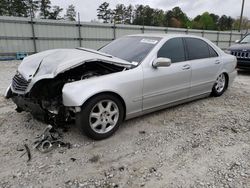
(87, 8)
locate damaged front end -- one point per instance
(41, 94)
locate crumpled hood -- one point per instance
(56, 61)
(240, 47)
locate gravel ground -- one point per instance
(205, 143)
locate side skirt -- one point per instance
(130, 116)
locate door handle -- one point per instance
(186, 67)
(217, 62)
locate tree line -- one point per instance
(121, 14)
(36, 8)
(145, 15)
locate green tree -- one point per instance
(18, 8)
(138, 15)
(168, 17)
(197, 18)
(3, 7)
(70, 13)
(45, 7)
(104, 12)
(55, 13)
(181, 16)
(148, 15)
(32, 7)
(245, 23)
(158, 17)
(215, 19)
(120, 13)
(206, 21)
(176, 17)
(225, 23)
(129, 14)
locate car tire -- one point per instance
(220, 85)
(101, 116)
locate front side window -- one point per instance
(173, 49)
(197, 49)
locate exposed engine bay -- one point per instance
(44, 100)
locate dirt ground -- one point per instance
(205, 143)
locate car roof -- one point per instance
(166, 35)
(169, 36)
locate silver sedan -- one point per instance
(129, 77)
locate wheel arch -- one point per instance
(109, 93)
(227, 78)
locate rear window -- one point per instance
(212, 52)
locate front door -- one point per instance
(165, 85)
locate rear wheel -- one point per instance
(101, 116)
(220, 85)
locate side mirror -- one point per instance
(161, 62)
(237, 41)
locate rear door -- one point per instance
(205, 64)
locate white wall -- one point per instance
(16, 34)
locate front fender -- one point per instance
(77, 93)
(127, 84)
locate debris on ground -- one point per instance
(27, 150)
(94, 159)
(142, 132)
(73, 159)
(49, 140)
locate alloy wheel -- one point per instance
(104, 116)
(220, 83)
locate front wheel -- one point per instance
(220, 85)
(101, 116)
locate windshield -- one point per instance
(132, 49)
(246, 39)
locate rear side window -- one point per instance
(212, 52)
(197, 48)
(173, 49)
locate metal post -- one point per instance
(143, 27)
(241, 14)
(202, 33)
(79, 30)
(218, 38)
(166, 30)
(113, 19)
(32, 27)
(114, 30)
(230, 40)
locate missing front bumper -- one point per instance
(24, 104)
